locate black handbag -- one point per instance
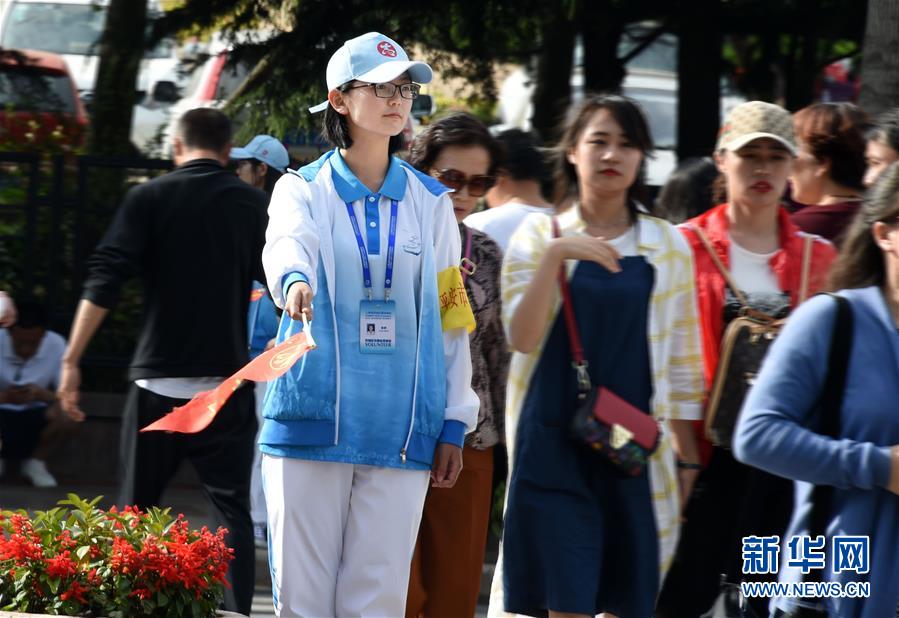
(743, 348)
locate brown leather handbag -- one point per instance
(743, 348)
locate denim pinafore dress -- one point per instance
(580, 537)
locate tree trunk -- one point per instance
(121, 50)
(880, 57)
(699, 76)
(601, 30)
(800, 87)
(552, 91)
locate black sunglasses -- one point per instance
(477, 184)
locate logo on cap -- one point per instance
(386, 49)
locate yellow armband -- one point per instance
(455, 310)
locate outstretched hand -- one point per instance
(299, 300)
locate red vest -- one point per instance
(786, 265)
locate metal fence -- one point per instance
(53, 211)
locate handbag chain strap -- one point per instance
(574, 336)
(728, 277)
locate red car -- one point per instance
(39, 104)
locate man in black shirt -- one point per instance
(194, 237)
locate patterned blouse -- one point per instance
(489, 350)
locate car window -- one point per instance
(64, 29)
(57, 28)
(660, 55)
(28, 89)
(233, 75)
(661, 112)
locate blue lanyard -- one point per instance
(363, 253)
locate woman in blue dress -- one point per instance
(580, 538)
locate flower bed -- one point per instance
(78, 560)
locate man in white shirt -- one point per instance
(518, 189)
(30, 358)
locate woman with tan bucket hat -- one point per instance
(748, 257)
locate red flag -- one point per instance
(196, 414)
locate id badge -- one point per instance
(377, 326)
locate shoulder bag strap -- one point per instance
(720, 266)
(806, 268)
(830, 403)
(574, 335)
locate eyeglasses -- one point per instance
(388, 89)
(477, 184)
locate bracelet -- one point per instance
(688, 465)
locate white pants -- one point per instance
(341, 536)
(257, 495)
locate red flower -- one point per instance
(61, 566)
(76, 591)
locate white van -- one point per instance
(72, 29)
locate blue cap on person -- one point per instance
(265, 148)
(372, 58)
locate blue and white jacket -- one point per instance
(337, 404)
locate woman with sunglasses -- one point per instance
(355, 433)
(446, 571)
(780, 429)
(581, 538)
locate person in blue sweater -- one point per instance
(863, 463)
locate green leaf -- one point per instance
(82, 551)
(161, 599)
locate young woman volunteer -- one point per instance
(780, 429)
(446, 571)
(580, 537)
(827, 177)
(354, 432)
(260, 164)
(752, 237)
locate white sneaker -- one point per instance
(36, 471)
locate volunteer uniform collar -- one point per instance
(350, 188)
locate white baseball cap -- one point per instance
(372, 58)
(265, 148)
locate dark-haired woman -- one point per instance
(777, 431)
(581, 538)
(827, 178)
(688, 191)
(446, 571)
(882, 149)
(355, 431)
